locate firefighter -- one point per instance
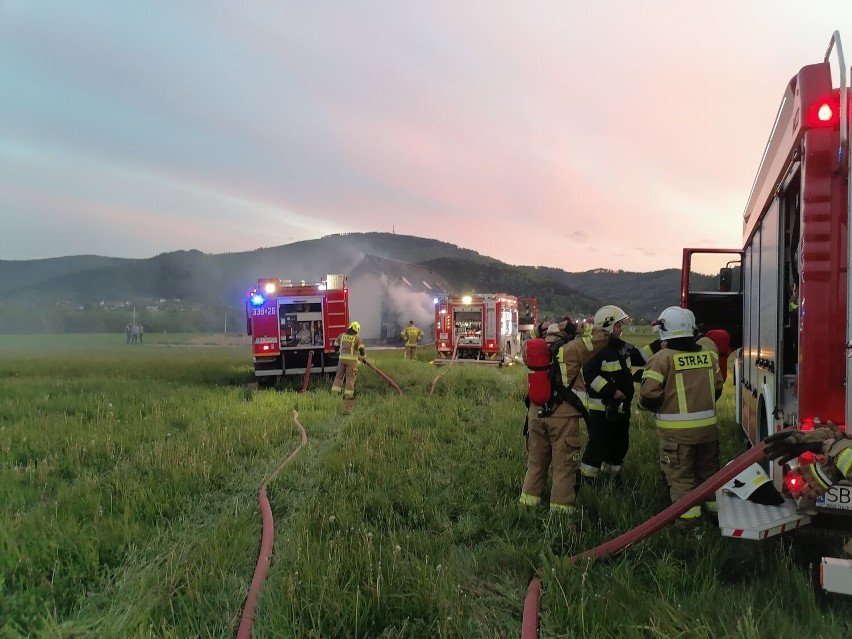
(680, 385)
(352, 350)
(716, 341)
(610, 386)
(411, 335)
(832, 447)
(554, 428)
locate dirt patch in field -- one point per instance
(220, 340)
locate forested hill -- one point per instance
(219, 281)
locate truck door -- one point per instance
(711, 287)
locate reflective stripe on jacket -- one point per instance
(686, 382)
(351, 346)
(411, 335)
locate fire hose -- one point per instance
(307, 381)
(267, 537)
(382, 375)
(452, 359)
(529, 626)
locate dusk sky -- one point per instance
(570, 134)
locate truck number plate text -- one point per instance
(837, 497)
(266, 310)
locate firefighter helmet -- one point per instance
(607, 317)
(355, 326)
(674, 322)
(691, 316)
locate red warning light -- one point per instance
(825, 112)
(794, 483)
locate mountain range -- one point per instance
(222, 280)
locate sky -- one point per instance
(576, 135)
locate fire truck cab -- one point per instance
(293, 326)
(477, 327)
(784, 295)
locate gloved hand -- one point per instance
(816, 479)
(789, 444)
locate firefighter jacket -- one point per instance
(351, 345)
(609, 371)
(839, 452)
(681, 384)
(571, 357)
(411, 335)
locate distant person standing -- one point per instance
(134, 334)
(411, 335)
(141, 333)
(127, 329)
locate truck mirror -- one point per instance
(726, 276)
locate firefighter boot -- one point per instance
(348, 405)
(589, 475)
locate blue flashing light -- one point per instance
(257, 299)
(435, 301)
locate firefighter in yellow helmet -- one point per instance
(554, 428)
(351, 348)
(680, 385)
(411, 334)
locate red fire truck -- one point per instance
(784, 296)
(288, 322)
(477, 327)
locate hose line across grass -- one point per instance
(529, 625)
(267, 537)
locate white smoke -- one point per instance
(370, 295)
(365, 304)
(408, 305)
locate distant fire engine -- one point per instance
(477, 327)
(287, 322)
(784, 296)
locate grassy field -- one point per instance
(128, 501)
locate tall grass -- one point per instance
(128, 495)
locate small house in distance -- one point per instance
(385, 294)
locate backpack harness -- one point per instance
(545, 386)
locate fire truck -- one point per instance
(477, 327)
(292, 324)
(784, 295)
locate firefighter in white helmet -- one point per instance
(609, 382)
(554, 428)
(680, 385)
(351, 348)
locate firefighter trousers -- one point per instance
(686, 465)
(347, 373)
(553, 441)
(410, 352)
(608, 439)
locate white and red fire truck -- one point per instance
(292, 323)
(784, 296)
(477, 327)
